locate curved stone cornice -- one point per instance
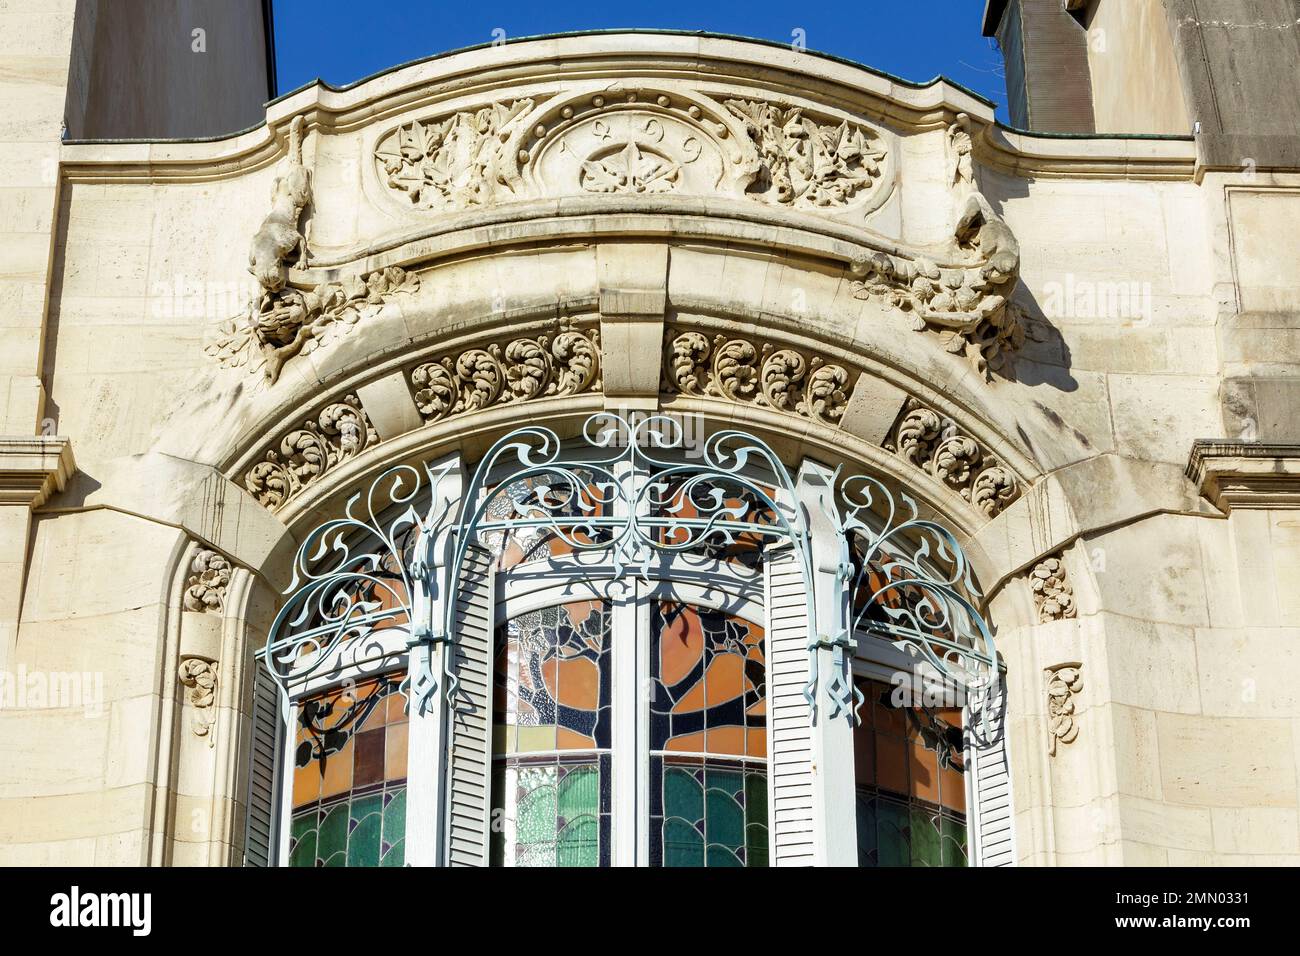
(768, 69)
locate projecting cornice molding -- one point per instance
(32, 469)
(1240, 475)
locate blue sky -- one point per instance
(344, 40)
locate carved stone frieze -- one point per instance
(807, 164)
(205, 590)
(565, 363)
(938, 446)
(338, 432)
(1064, 681)
(290, 322)
(455, 161)
(763, 374)
(1053, 595)
(627, 140)
(200, 676)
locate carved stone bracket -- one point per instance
(209, 576)
(338, 432)
(1064, 681)
(1053, 595)
(566, 363)
(290, 322)
(761, 373)
(938, 446)
(200, 676)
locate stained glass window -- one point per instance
(548, 494)
(551, 771)
(911, 788)
(349, 778)
(708, 739)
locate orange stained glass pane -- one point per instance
(724, 680)
(681, 646)
(756, 741)
(891, 764)
(728, 740)
(757, 709)
(864, 754)
(566, 739)
(952, 786)
(925, 771)
(889, 720)
(336, 771)
(395, 742)
(579, 683)
(687, 743)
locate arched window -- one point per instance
(608, 659)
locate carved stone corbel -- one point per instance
(1053, 594)
(200, 676)
(209, 575)
(1064, 681)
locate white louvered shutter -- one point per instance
(263, 802)
(789, 735)
(469, 714)
(989, 815)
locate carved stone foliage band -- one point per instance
(566, 363)
(762, 374)
(629, 140)
(937, 445)
(209, 576)
(1064, 681)
(200, 676)
(338, 432)
(1053, 595)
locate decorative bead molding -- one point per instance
(289, 322)
(1053, 595)
(209, 576)
(1246, 475)
(1064, 681)
(765, 374)
(567, 363)
(937, 446)
(338, 432)
(200, 676)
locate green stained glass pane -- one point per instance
(333, 837)
(755, 819)
(953, 833)
(302, 839)
(535, 823)
(722, 856)
(756, 844)
(892, 824)
(579, 793)
(366, 825)
(925, 838)
(868, 850)
(683, 795)
(393, 842)
(579, 843)
(683, 844)
(724, 820)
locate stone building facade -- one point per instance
(1075, 357)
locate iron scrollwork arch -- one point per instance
(631, 495)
